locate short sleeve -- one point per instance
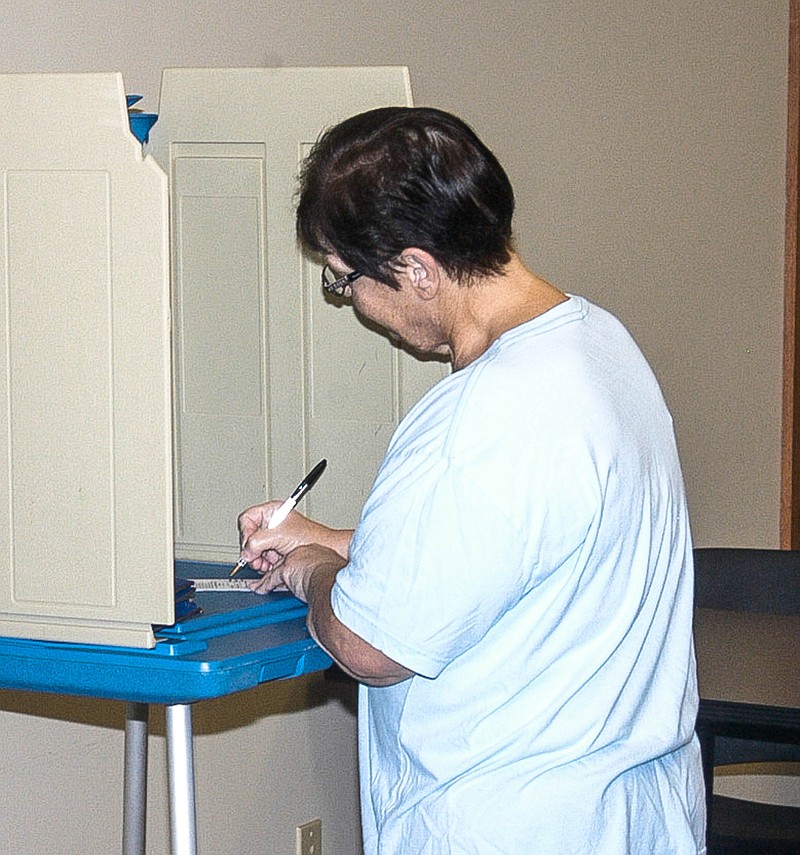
(433, 564)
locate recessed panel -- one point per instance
(59, 385)
(220, 342)
(220, 286)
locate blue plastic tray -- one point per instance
(239, 640)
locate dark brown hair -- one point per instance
(399, 177)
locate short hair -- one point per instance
(399, 177)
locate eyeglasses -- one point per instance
(332, 284)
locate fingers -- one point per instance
(261, 546)
(252, 519)
(265, 562)
(273, 557)
(263, 549)
(270, 581)
(268, 564)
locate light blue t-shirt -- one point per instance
(525, 550)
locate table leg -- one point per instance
(180, 771)
(134, 799)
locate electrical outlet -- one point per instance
(309, 838)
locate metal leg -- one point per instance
(134, 799)
(180, 771)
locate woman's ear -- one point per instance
(422, 272)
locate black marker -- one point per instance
(288, 506)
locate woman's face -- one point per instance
(397, 311)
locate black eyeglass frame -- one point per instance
(336, 286)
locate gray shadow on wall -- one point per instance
(216, 715)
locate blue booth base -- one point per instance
(239, 640)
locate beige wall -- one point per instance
(646, 144)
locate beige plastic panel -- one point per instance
(85, 399)
(270, 376)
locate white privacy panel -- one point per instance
(220, 385)
(270, 376)
(61, 466)
(85, 415)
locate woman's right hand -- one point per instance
(264, 548)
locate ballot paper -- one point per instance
(220, 584)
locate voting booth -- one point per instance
(168, 356)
